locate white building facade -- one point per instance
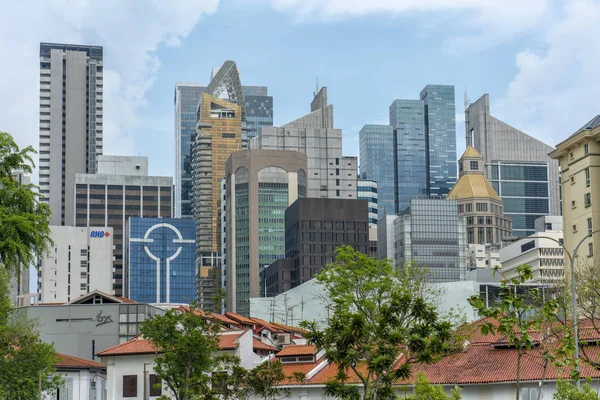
(542, 251)
(79, 262)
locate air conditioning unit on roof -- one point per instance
(283, 338)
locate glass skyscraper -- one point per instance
(440, 125)
(407, 119)
(259, 111)
(161, 260)
(377, 163)
(187, 96)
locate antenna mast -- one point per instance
(466, 104)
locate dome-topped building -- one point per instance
(478, 202)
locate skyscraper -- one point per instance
(431, 233)
(407, 118)
(260, 186)
(331, 174)
(517, 165)
(187, 97)
(259, 111)
(161, 260)
(71, 88)
(377, 163)
(440, 125)
(220, 116)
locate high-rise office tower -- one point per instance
(517, 165)
(219, 117)
(259, 112)
(431, 233)
(161, 260)
(407, 118)
(71, 88)
(187, 97)
(260, 185)
(108, 199)
(367, 190)
(377, 163)
(440, 125)
(331, 175)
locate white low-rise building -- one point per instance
(542, 251)
(79, 262)
(83, 379)
(484, 256)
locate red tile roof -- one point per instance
(218, 317)
(297, 350)
(67, 361)
(289, 329)
(229, 341)
(261, 324)
(130, 347)
(239, 318)
(258, 345)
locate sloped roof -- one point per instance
(229, 341)
(106, 296)
(258, 345)
(67, 361)
(297, 350)
(593, 123)
(130, 347)
(239, 318)
(471, 152)
(472, 186)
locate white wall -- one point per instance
(117, 367)
(122, 165)
(77, 384)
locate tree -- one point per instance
(566, 390)
(186, 343)
(520, 315)
(25, 233)
(382, 321)
(426, 391)
(263, 380)
(25, 360)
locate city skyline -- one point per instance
(141, 73)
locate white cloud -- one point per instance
(130, 32)
(556, 90)
(483, 23)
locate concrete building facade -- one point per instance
(431, 233)
(314, 228)
(331, 175)
(517, 165)
(545, 256)
(478, 202)
(579, 157)
(122, 165)
(260, 186)
(79, 262)
(386, 238)
(71, 114)
(109, 200)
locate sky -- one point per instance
(538, 60)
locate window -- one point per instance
(155, 386)
(83, 286)
(572, 180)
(469, 207)
(474, 165)
(572, 203)
(469, 220)
(129, 385)
(587, 177)
(571, 155)
(586, 149)
(590, 249)
(575, 228)
(587, 199)
(460, 167)
(481, 207)
(461, 208)
(589, 226)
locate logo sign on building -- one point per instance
(99, 234)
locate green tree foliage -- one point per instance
(382, 321)
(566, 390)
(189, 345)
(262, 381)
(25, 360)
(426, 391)
(25, 233)
(520, 315)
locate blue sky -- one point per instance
(537, 59)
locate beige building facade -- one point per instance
(478, 202)
(579, 158)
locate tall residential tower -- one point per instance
(71, 88)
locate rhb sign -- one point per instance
(99, 234)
